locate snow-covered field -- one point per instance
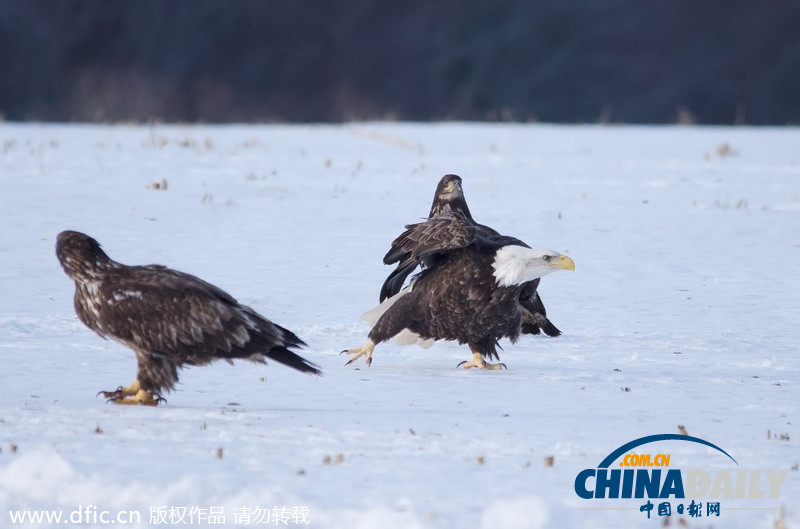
(683, 311)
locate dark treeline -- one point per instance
(634, 61)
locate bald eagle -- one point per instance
(449, 197)
(469, 290)
(170, 319)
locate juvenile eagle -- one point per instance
(469, 290)
(449, 197)
(170, 319)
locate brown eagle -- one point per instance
(449, 197)
(468, 291)
(170, 319)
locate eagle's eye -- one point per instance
(547, 258)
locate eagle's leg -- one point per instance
(479, 363)
(357, 352)
(133, 394)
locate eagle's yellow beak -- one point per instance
(562, 262)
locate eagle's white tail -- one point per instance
(408, 337)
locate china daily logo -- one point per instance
(647, 474)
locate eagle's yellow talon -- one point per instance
(479, 363)
(357, 352)
(133, 394)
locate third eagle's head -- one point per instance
(449, 196)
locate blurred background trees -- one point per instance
(633, 61)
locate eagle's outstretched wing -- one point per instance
(439, 234)
(422, 244)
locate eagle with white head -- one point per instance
(449, 199)
(469, 290)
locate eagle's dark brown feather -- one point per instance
(169, 318)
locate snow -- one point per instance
(683, 310)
